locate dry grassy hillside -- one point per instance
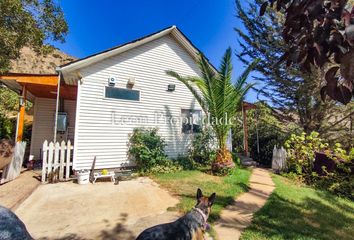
(32, 62)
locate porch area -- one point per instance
(54, 108)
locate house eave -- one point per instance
(68, 69)
(81, 63)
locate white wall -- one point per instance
(43, 123)
(98, 136)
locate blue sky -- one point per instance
(97, 25)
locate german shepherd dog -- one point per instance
(189, 227)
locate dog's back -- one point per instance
(187, 227)
(11, 227)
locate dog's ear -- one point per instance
(211, 199)
(199, 194)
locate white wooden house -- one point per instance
(106, 95)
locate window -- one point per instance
(191, 120)
(122, 93)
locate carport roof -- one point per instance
(38, 85)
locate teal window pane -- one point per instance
(122, 93)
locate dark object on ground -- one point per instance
(322, 160)
(190, 226)
(11, 227)
(6, 152)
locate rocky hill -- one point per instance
(32, 62)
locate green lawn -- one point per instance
(295, 212)
(184, 184)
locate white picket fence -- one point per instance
(279, 159)
(56, 156)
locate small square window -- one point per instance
(122, 93)
(191, 120)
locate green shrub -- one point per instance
(167, 166)
(301, 153)
(301, 157)
(202, 149)
(146, 148)
(7, 127)
(187, 163)
(340, 181)
(236, 159)
(201, 152)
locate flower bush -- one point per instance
(187, 163)
(146, 147)
(202, 150)
(340, 181)
(301, 150)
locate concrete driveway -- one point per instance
(99, 211)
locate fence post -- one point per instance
(279, 158)
(50, 156)
(68, 158)
(274, 157)
(44, 163)
(56, 156)
(283, 157)
(62, 159)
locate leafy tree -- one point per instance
(220, 98)
(28, 23)
(318, 32)
(294, 92)
(8, 103)
(24, 23)
(8, 100)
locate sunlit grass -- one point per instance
(184, 184)
(299, 212)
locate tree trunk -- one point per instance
(222, 161)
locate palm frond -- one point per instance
(187, 82)
(208, 76)
(243, 77)
(217, 94)
(225, 88)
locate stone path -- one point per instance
(236, 217)
(13, 193)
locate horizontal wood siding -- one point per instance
(98, 136)
(43, 123)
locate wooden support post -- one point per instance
(22, 111)
(56, 111)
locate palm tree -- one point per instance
(218, 97)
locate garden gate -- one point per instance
(56, 159)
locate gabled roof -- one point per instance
(173, 30)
